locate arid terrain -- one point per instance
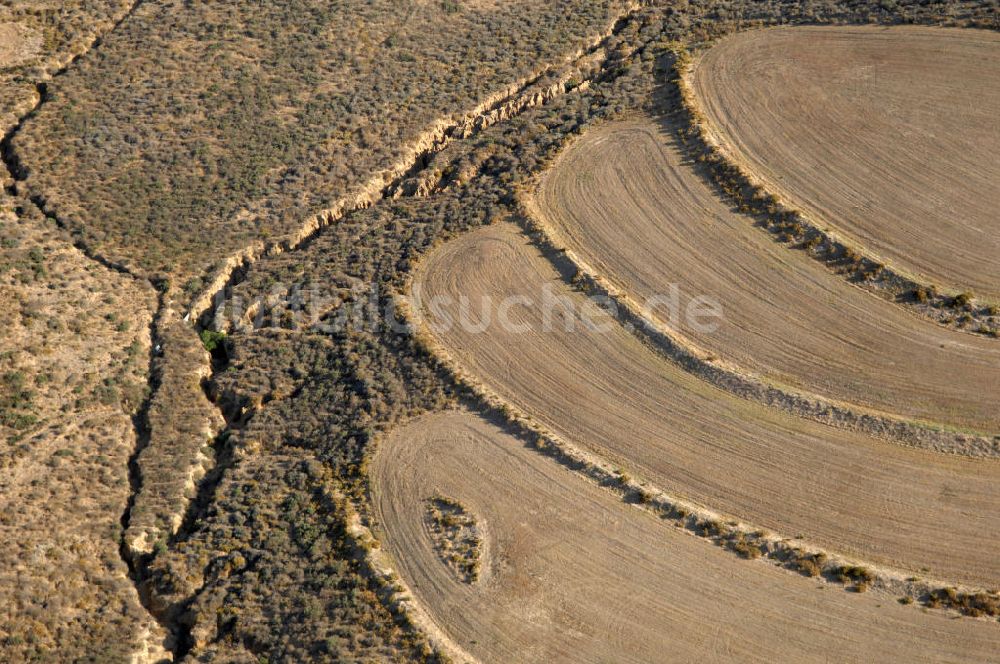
(576, 575)
(887, 136)
(605, 390)
(523, 331)
(624, 200)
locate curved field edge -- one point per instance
(687, 354)
(394, 592)
(797, 230)
(186, 366)
(187, 437)
(207, 312)
(884, 135)
(194, 486)
(743, 539)
(549, 81)
(236, 272)
(394, 194)
(502, 474)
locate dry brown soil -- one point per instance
(888, 135)
(18, 44)
(604, 390)
(623, 199)
(575, 575)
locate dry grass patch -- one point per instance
(73, 361)
(229, 126)
(18, 44)
(37, 38)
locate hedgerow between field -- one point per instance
(326, 394)
(282, 396)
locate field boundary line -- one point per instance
(396, 594)
(743, 539)
(497, 107)
(836, 250)
(697, 361)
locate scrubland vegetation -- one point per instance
(204, 127)
(180, 425)
(41, 37)
(199, 128)
(380, 246)
(72, 375)
(377, 376)
(71, 343)
(280, 584)
(455, 536)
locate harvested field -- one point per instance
(604, 390)
(888, 136)
(576, 575)
(622, 198)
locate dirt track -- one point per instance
(887, 135)
(578, 576)
(607, 392)
(622, 198)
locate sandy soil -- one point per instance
(622, 198)
(578, 576)
(604, 390)
(888, 135)
(18, 44)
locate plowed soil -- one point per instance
(601, 388)
(575, 575)
(889, 136)
(624, 200)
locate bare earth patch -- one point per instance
(888, 136)
(578, 576)
(607, 392)
(623, 199)
(18, 44)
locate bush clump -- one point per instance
(212, 340)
